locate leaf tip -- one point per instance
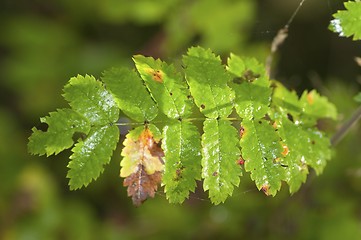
(266, 189)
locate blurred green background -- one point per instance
(44, 43)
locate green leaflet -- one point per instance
(38, 141)
(286, 101)
(251, 85)
(208, 80)
(90, 156)
(63, 124)
(261, 150)
(165, 85)
(315, 107)
(303, 147)
(318, 150)
(130, 94)
(220, 154)
(88, 97)
(306, 110)
(182, 150)
(306, 146)
(348, 22)
(295, 151)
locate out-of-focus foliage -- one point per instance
(44, 43)
(358, 97)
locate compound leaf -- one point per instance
(261, 150)
(278, 139)
(90, 155)
(167, 86)
(130, 94)
(63, 124)
(208, 80)
(251, 86)
(348, 22)
(220, 154)
(182, 150)
(88, 97)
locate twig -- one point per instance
(280, 38)
(277, 41)
(337, 137)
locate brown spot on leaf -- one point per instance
(215, 174)
(285, 150)
(145, 151)
(147, 142)
(290, 117)
(310, 98)
(237, 80)
(157, 75)
(179, 172)
(250, 76)
(155, 149)
(203, 106)
(240, 161)
(141, 185)
(265, 188)
(276, 160)
(242, 131)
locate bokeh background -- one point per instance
(44, 43)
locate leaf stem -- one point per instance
(185, 119)
(337, 137)
(203, 119)
(128, 123)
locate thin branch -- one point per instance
(128, 123)
(338, 136)
(280, 38)
(277, 41)
(294, 14)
